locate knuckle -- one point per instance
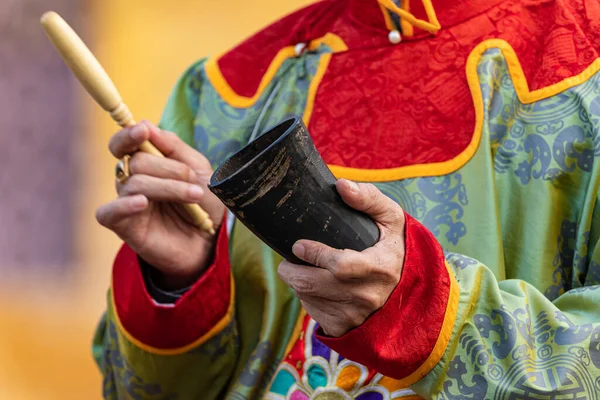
(316, 255)
(334, 330)
(372, 301)
(389, 276)
(365, 270)
(383, 267)
(137, 163)
(185, 173)
(167, 190)
(358, 319)
(101, 216)
(176, 192)
(118, 141)
(303, 285)
(352, 317)
(132, 186)
(401, 214)
(372, 200)
(350, 265)
(147, 123)
(282, 270)
(171, 136)
(113, 146)
(397, 214)
(343, 268)
(392, 274)
(172, 142)
(124, 190)
(372, 192)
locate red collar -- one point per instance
(447, 12)
(453, 12)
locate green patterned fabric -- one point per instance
(519, 223)
(530, 196)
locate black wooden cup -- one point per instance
(280, 188)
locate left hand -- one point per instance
(350, 285)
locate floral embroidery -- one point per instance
(323, 374)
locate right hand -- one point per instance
(147, 214)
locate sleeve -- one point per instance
(458, 333)
(160, 295)
(183, 350)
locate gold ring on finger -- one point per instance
(122, 170)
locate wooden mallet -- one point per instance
(98, 84)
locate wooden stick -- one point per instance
(99, 85)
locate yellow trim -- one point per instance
(407, 29)
(520, 82)
(219, 326)
(314, 86)
(432, 26)
(466, 315)
(446, 167)
(430, 11)
(386, 17)
(444, 337)
(391, 384)
(229, 95)
(295, 333)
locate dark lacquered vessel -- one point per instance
(281, 189)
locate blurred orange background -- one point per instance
(48, 310)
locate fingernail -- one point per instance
(139, 202)
(298, 250)
(137, 132)
(353, 186)
(196, 192)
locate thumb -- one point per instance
(367, 198)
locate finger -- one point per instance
(171, 146)
(161, 167)
(342, 264)
(112, 214)
(127, 140)
(311, 282)
(367, 198)
(158, 189)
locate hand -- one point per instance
(350, 285)
(146, 215)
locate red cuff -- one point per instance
(407, 337)
(199, 314)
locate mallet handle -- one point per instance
(99, 85)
